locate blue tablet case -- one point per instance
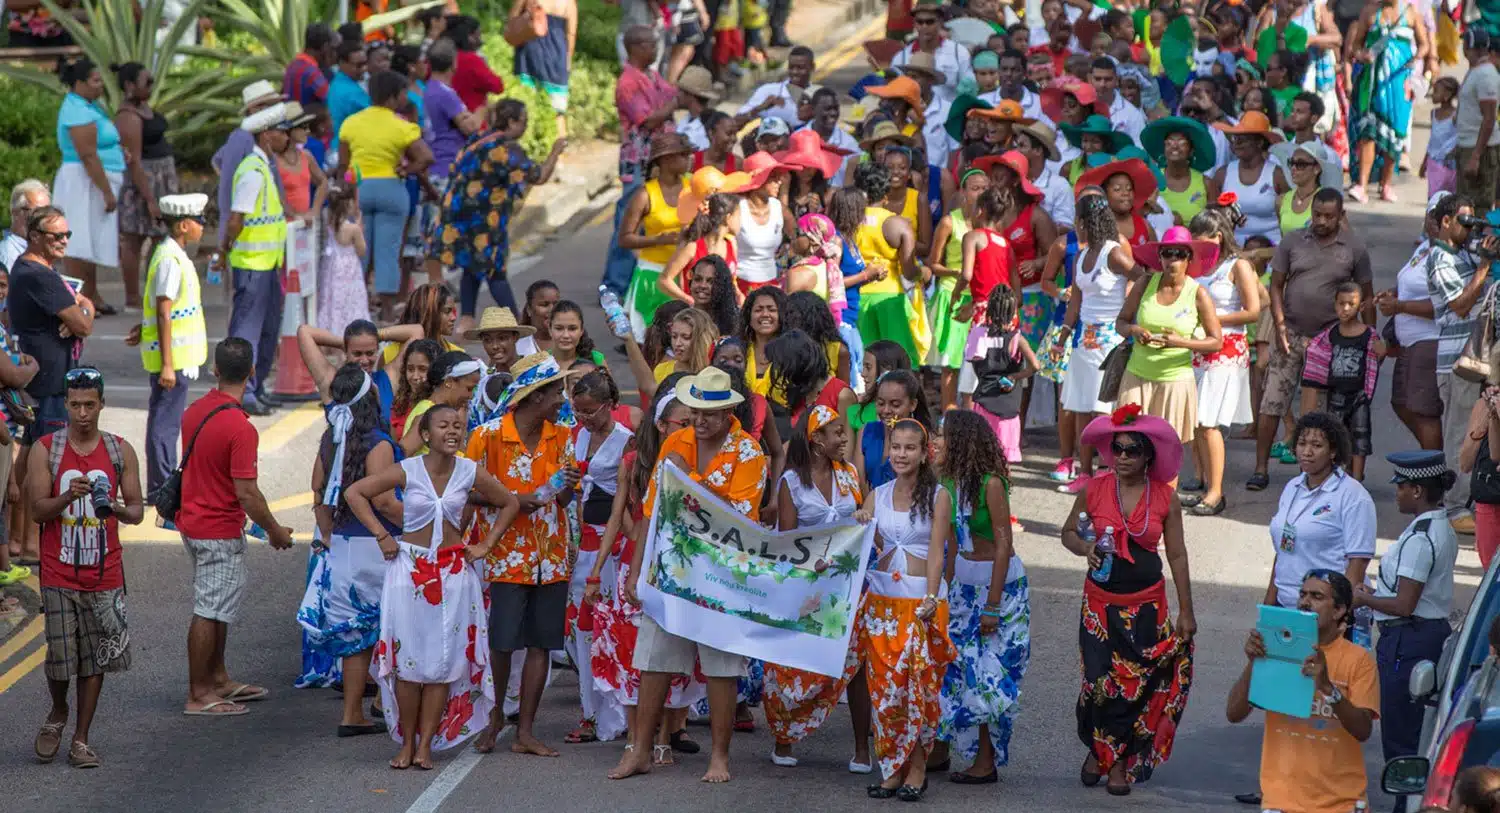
(1276, 681)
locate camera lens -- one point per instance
(99, 498)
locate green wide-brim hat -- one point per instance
(1095, 125)
(1154, 140)
(958, 114)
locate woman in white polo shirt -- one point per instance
(1413, 594)
(1325, 518)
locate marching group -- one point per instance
(818, 314)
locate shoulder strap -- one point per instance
(116, 456)
(56, 449)
(188, 452)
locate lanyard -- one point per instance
(1291, 521)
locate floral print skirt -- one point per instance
(599, 705)
(319, 669)
(340, 612)
(1036, 316)
(797, 702)
(982, 686)
(434, 628)
(1136, 675)
(907, 658)
(616, 623)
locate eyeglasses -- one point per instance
(1176, 253)
(1121, 450)
(591, 413)
(1302, 164)
(678, 424)
(60, 235)
(84, 375)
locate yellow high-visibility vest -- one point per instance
(189, 334)
(262, 242)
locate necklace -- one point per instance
(1120, 504)
(1299, 199)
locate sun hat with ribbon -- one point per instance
(1141, 177)
(1015, 162)
(340, 420)
(258, 92)
(907, 90)
(529, 375)
(1045, 135)
(1154, 141)
(1052, 97)
(1099, 126)
(1131, 418)
(807, 150)
(1252, 123)
(705, 183)
(760, 166)
(958, 113)
(1205, 252)
(498, 320)
(1006, 110)
(711, 389)
(884, 130)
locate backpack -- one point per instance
(167, 498)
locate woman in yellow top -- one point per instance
(650, 226)
(692, 335)
(903, 199)
(887, 243)
(1185, 151)
(760, 322)
(452, 379)
(1294, 209)
(434, 308)
(381, 148)
(1170, 317)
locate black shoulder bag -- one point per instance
(167, 498)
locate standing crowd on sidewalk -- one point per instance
(1127, 221)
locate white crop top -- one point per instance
(422, 504)
(812, 508)
(900, 531)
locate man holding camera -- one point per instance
(82, 483)
(1456, 284)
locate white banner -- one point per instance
(713, 576)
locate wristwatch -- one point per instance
(1335, 697)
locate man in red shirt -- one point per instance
(82, 484)
(218, 491)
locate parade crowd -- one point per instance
(1125, 222)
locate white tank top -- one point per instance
(604, 466)
(758, 243)
(812, 508)
(1225, 294)
(1257, 202)
(1103, 290)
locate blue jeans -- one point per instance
(255, 316)
(468, 292)
(619, 264)
(163, 425)
(385, 206)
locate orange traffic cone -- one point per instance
(293, 381)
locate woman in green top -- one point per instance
(1095, 135)
(950, 335)
(452, 379)
(1295, 207)
(1185, 151)
(1169, 318)
(570, 339)
(881, 357)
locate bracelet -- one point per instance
(930, 597)
(987, 613)
(591, 580)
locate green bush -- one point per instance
(28, 136)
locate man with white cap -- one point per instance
(172, 335)
(256, 96)
(252, 240)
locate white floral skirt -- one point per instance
(983, 685)
(340, 610)
(601, 706)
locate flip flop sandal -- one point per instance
(584, 733)
(662, 755)
(48, 741)
(80, 755)
(17, 573)
(208, 710)
(246, 693)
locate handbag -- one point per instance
(167, 498)
(1113, 369)
(19, 405)
(1473, 363)
(529, 24)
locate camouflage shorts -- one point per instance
(1479, 188)
(1284, 375)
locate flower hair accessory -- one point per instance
(1125, 415)
(1228, 199)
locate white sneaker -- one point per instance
(781, 761)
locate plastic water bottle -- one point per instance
(1364, 621)
(619, 322)
(215, 276)
(1106, 546)
(550, 489)
(258, 532)
(1085, 527)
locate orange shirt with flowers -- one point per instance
(736, 473)
(534, 550)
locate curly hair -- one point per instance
(973, 454)
(718, 208)
(425, 306)
(658, 333)
(846, 208)
(721, 305)
(429, 349)
(1096, 221)
(807, 312)
(776, 295)
(927, 483)
(874, 180)
(704, 337)
(1333, 431)
(368, 429)
(798, 368)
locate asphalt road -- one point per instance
(284, 756)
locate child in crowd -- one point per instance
(1343, 364)
(898, 396)
(341, 274)
(412, 386)
(541, 297)
(1039, 69)
(1439, 166)
(880, 358)
(1100, 45)
(999, 359)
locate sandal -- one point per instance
(17, 573)
(1258, 481)
(584, 733)
(662, 755)
(681, 744)
(48, 740)
(80, 755)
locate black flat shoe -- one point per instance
(1190, 500)
(377, 727)
(1087, 777)
(1118, 790)
(682, 745)
(909, 793)
(1248, 798)
(1203, 509)
(962, 778)
(1196, 484)
(1258, 482)
(880, 792)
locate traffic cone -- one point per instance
(293, 381)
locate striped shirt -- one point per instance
(1448, 273)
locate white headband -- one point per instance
(340, 419)
(661, 407)
(463, 368)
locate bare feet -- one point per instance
(632, 762)
(423, 759)
(486, 741)
(403, 759)
(529, 744)
(718, 769)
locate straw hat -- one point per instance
(705, 182)
(1129, 418)
(1142, 179)
(498, 320)
(712, 389)
(258, 92)
(1252, 123)
(529, 375)
(884, 130)
(293, 114)
(907, 90)
(1044, 134)
(1205, 253)
(1015, 162)
(264, 120)
(922, 64)
(808, 150)
(1052, 98)
(696, 80)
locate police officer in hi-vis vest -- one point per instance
(171, 335)
(252, 240)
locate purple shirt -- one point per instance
(445, 139)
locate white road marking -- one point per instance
(446, 782)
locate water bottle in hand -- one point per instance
(550, 489)
(1085, 528)
(619, 322)
(1106, 547)
(1364, 623)
(215, 275)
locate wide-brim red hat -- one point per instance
(1141, 178)
(1130, 418)
(760, 166)
(1052, 98)
(1205, 252)
(1016, 162)
(807, 150)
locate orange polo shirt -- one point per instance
(737, 472)
(534, 550)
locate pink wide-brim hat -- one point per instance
(1205, 252)
(1130, 418)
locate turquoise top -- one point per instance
(77, 111)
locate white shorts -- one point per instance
(657, 650)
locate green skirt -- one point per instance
(885, 316)
(642, 298)
(950, 336)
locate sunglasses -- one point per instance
(60, 235)
(1302, 164)
(1176, 253)
(926, 20)
(83, 375)
(1121, 450)
(1322, 574)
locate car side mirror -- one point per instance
(1405, 776)
(1422, 681)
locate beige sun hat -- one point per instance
(711, 389)
(498, 320)
(258, 92)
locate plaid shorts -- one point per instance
(86, 632)
(219, 576)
